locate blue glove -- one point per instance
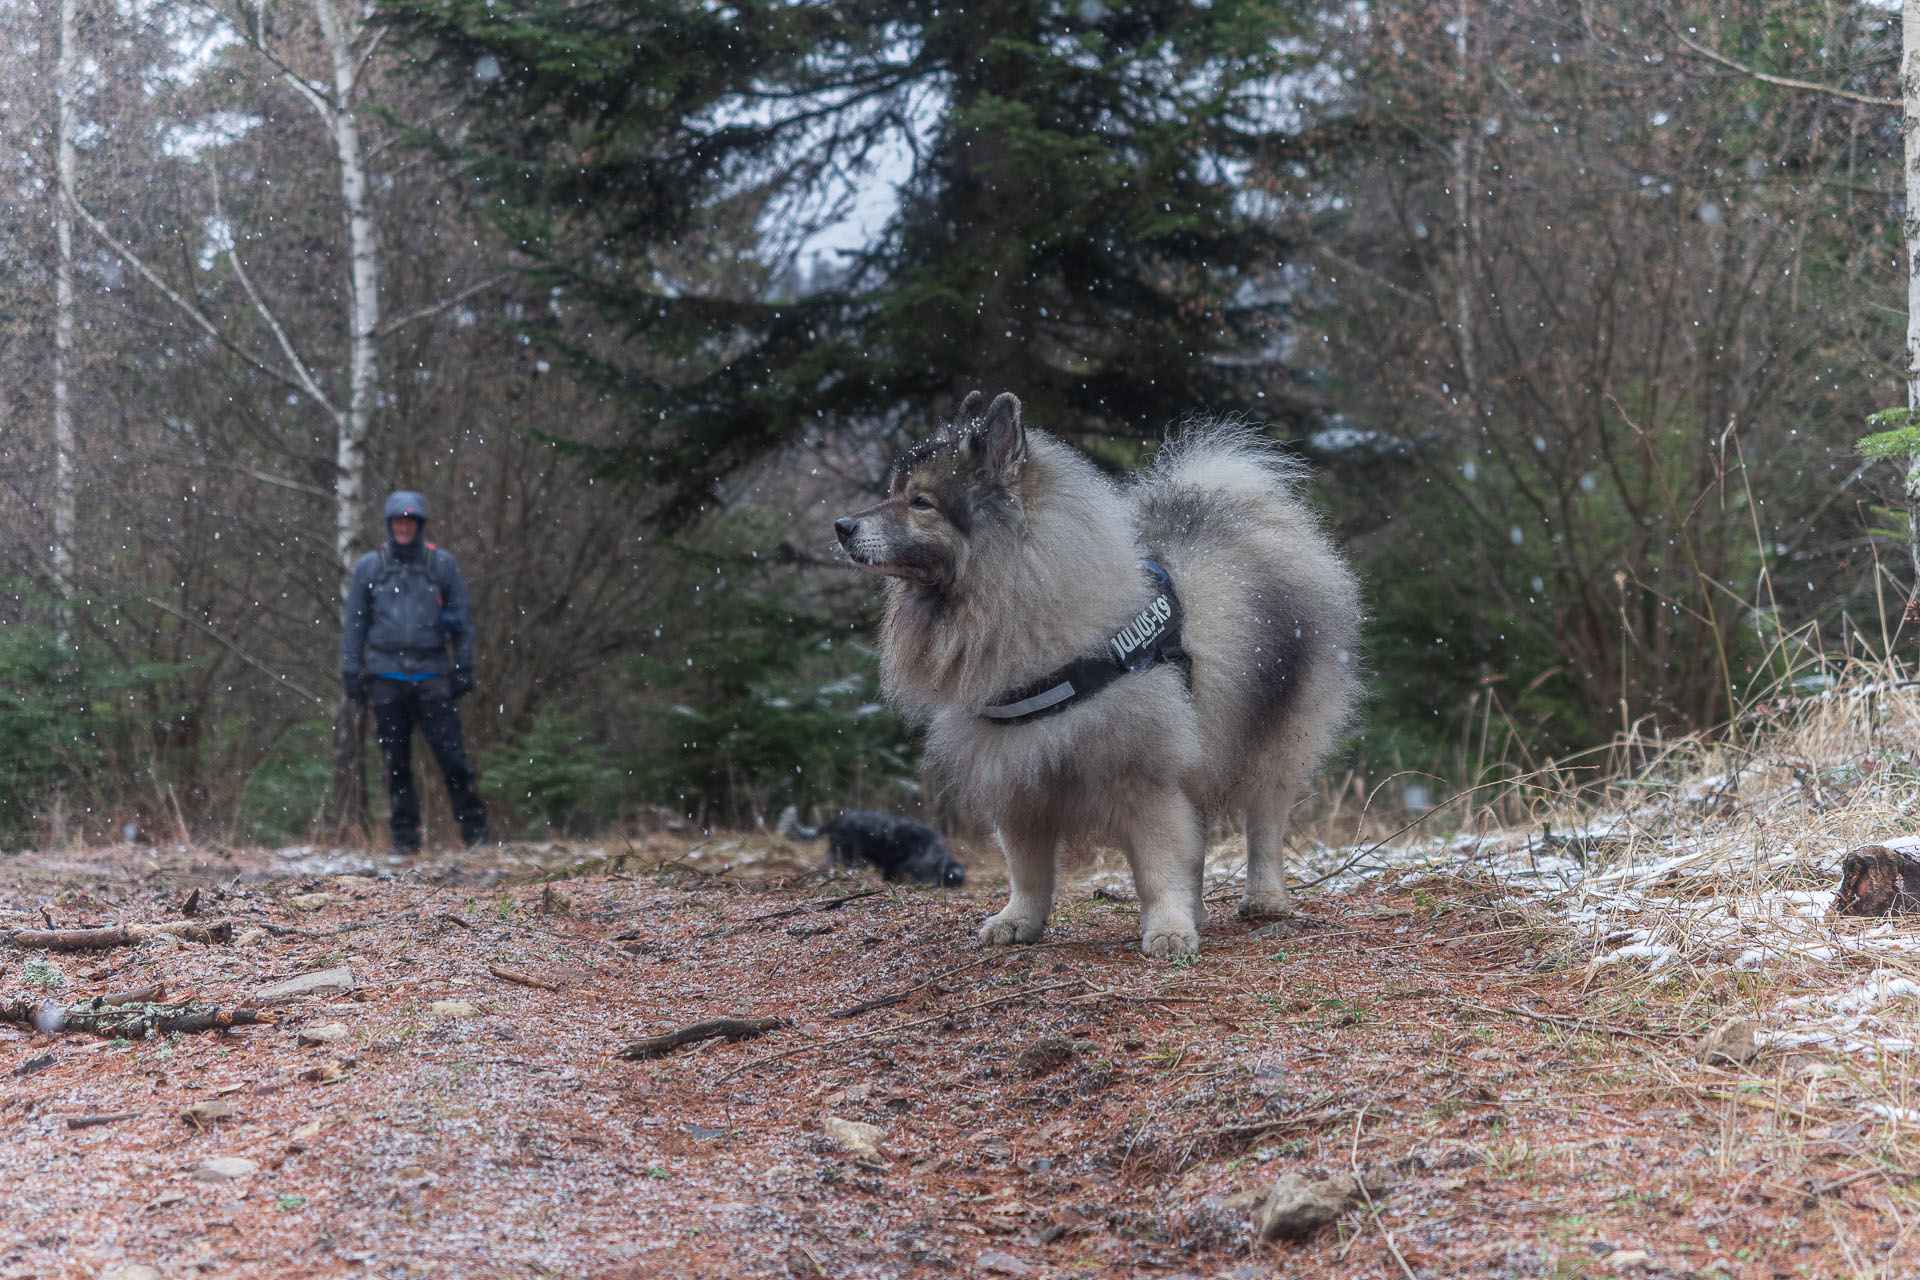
(356, 687)
(462, 683)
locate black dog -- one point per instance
(898, 848)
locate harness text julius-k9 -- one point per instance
(1152, 637)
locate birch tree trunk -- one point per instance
(1910, 132)
(1462, 229)
(339, 31)
(61, 552)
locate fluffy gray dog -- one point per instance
(1114, 663)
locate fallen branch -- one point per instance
(126, 935)
(89, 1122)
(135, 1022)
(523, 979)
(731, 1028)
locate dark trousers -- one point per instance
(399, 705)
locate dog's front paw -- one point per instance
(1267, 906)
(1005, 929)
(1174, 941)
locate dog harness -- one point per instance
(1152, 637)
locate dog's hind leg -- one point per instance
(1267, 810)
(1030, 869)
(1167, 851)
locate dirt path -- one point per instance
(1072, 1109)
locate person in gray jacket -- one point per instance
(406, 606)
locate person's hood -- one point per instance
(405, 502)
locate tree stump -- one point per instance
(1878, 881)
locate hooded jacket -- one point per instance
(404, 605)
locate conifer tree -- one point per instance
(1069, 224)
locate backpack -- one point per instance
(449, 620)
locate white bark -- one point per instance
(1910, 131)
(1462, 228)
(338, 31)
(63, 435)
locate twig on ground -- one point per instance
(1573, 1024)
(1373, 1211)
(89, 1122)
(139, 995)
(667, 1042)
(120, 935)
(822, 904)
(1103, 994)
(523, 979)
(1879, 1171)
(1242, 1136)
(895, 997)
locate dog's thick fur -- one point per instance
(1009, 555)
(898, 848)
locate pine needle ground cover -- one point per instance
(1490, 1039)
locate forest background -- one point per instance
(1577, 308)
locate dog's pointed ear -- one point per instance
(969, 409)
(1002, 440)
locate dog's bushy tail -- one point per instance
(788, 825)
(1225, 455)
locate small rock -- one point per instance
(331, 1072)
(1731, 1044)
(162, 1200)
(1625, 1259)
(307, 1132)
(1002, 1264)
(224, 1169)
(1044, 1057)
(414, 1176)
(450, 1009)
(861, 1141)
(141, 1272)
(1298, 1205)
(310, 901)
(202, 1114)
(325, 1033)
(327, 981)
(250, 937)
